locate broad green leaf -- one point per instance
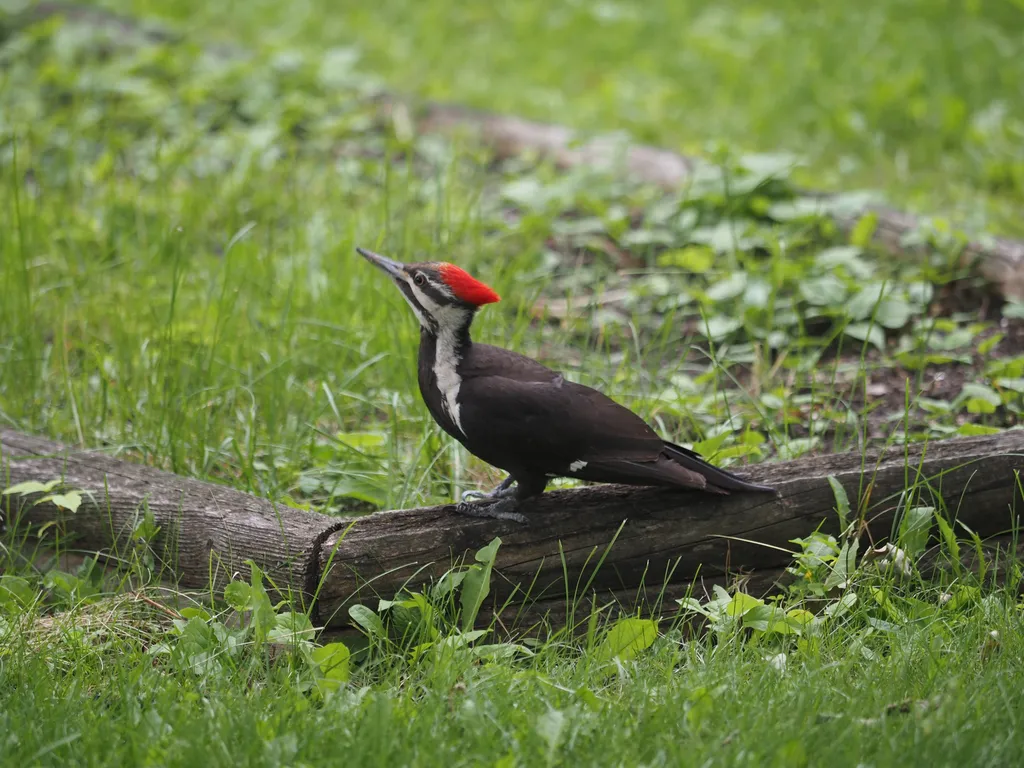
(766, 618)
(765, 166)
(799, 618)
(626, 639)
(589, 698)
(729, 235)
(69, 501)
(699, 706)
(291, 627)
(868, 332)
(888, 605)
(757, 294)
(31, 486)
(864, 230)
(334, 663)
(737, 451)
(477, 583)
(914, 529)
(894, 312)
(741, 603)
(690, 604)
(413, 618)
(362, 441)
(842, 502)
(237, 594)
(1013, 384)
(920, 293)
(637, 238)
(711, 446)
(980, 406)
(462, 639)
(263, 616)
(500, 651)
(844, 565)
(863, 303)
(15, 592)
(797, 446)
(948, 538)
(978, 398)
(1013, 309)
(720, 326)
(961, 595)
(448, 583)
(973, 430)
(847, 257)
(729, 288)
(825, 291)
(842, 606)
(801, 208)
(692, 258)
(1006, 367)
(367, 619)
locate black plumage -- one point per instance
(521, 416)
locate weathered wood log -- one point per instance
(206, 531)
(601, 543)
(697, 536)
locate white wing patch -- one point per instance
(577, 465)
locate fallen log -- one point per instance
(206, 530)
(600, 544)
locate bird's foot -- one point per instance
(498, 509)
(502, 491)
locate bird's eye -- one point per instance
(419, 279)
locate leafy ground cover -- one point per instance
(919, 99)
(178, 286)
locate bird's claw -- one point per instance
(502, 491)
(495, 510)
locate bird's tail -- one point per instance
(727, 481)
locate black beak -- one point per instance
(393, 268)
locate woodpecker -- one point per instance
(522, 417)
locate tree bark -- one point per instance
(206, 530)
(600, 544)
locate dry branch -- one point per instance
(662, 539)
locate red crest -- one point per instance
(466, 287)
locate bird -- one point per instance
(521, 416)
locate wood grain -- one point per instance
(648, 540)
(205, 529)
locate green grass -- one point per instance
(914, 97)
(682, 705)
(889, 673)
(178, 286)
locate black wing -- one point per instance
(524, 417)
(557, 427)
